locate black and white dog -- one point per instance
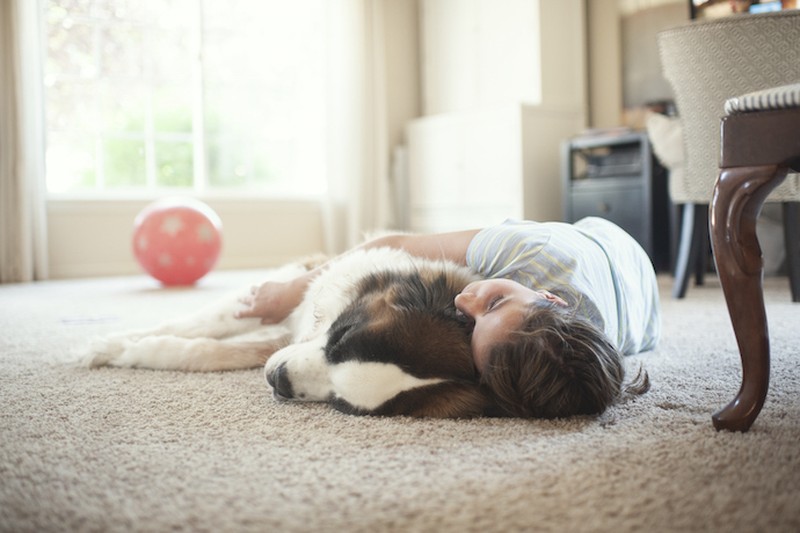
(376, 333)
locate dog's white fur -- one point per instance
(212, 339)
(367, 385)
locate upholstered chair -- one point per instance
(706, 63)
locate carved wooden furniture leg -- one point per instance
(758, 146)
(738, 197)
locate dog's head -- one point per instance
(401, 349)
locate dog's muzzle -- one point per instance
(281, 385)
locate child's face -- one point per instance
(498, 307)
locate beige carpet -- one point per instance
(126, 450)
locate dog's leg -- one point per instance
(167, 352)
(215, 321)
(215, 324)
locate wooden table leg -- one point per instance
(738, 197)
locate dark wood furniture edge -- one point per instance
(757, 150)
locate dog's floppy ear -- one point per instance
(450, 399)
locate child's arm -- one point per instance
(451, 246)
(274, 301)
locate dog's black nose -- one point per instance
(280, 383)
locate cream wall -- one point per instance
(402, 73)
(92, 238)
(504, 83)
(563, 48)
(604, 63)
(479, 54)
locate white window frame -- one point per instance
(201, 186)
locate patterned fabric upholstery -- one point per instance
(784, 97)
(708, 63)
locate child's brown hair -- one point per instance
(557, 365)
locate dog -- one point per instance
(377, 333)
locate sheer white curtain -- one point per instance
(23, 228)
(358, 160)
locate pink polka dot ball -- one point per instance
(177, 240)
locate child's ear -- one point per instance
(553, 299)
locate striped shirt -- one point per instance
(593, 264)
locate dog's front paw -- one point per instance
(104, 351)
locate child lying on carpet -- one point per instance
(560, 305)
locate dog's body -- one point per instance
(376, 333)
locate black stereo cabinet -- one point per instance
(615, 176)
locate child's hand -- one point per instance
(273, 301)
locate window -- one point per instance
(201, 96)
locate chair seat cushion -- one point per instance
(784, 97)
